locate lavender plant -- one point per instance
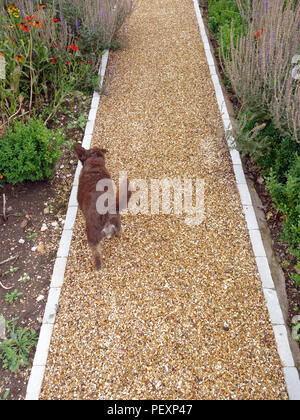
(260, 64)
(94, 21)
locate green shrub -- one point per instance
(221, 15)
(256, 135)
(286, 196)
(29, 152)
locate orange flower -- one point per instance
(1, 176)
(37, 24)
(41, 6)
(19, 58)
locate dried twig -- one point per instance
(4, 207)
(6, 288)
(9, 259)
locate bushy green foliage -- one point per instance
(29, 152)
(222, 14)
(258, 137)
(286, 195)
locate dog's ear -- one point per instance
(103, 151)
(99, 152)
(80, 152)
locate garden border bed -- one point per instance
(41, 353)
(275, 312)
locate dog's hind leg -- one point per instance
(96, 252)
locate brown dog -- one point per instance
(99, 224)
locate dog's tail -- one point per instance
(123, 195)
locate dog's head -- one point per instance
(108, 231)
(88, 155)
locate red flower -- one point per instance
(67, 63)
(1, 176)
(74, 47)
(55, 20)
(258, 33)
(53, 60)
(25, 28)
(54, 46)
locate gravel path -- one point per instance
(177, 312)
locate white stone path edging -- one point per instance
(41, 354)
(275, 312)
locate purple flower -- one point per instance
(77, 25)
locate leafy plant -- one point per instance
(5, 395)
(25, 278)
(11, 270)
(32, 236)
(15, 351)
(29, 152)
(296, 278)
(81, 121)
(13, 296)
(296, 329)
(222, 16)
(286, 196)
